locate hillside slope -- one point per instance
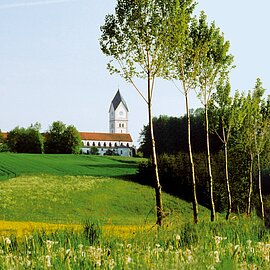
(71, 189)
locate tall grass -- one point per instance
(238, 244)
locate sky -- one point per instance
(51, 66)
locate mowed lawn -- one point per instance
(12, 165)
(70, 189)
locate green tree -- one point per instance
(261, 131)
(134, 39)
(62, 139)
(213, 64)
(226, 116)
(183, 59)
(72, 140)
(25, 140)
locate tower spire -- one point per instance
(118, 114)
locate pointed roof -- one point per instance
(117, 100)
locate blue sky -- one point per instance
(51, 67)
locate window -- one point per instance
(115, 144)
(120, 125)
(110, 144)
(94, 144)
(127, 144)
(99, 144)
(104, 144)
(87, 143)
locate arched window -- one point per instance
(94, 144)
(110, 144)
(99, 144)
(104, 144)
(87, 143)
(120, 125)
(127, 144)
(115, 144)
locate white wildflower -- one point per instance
(50, 243)
(218, 239)
(128, 260)
(48, 261)
(216, 256)
(7, 241)
(188, 255)
(177, 237)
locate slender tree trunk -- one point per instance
(250, 184)
(213, 212)
(229, 209)
(259, 173)
(159, 207)
(260, 185)
(195, 202)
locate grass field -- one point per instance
(12, 165)
(72, 188)
(46, 200)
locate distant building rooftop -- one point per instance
(93, 136)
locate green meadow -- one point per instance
(12, 165)
(72, 188)
(117, 218)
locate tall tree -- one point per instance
(251, 140)
(134, 37)
(226, 116)
(261, 131)
(214, 63)
(183, 58)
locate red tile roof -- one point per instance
(97, 136)
(118, 137)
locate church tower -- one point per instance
(118, 119)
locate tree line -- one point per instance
(234, 142)
(59, 139)
(163, 39)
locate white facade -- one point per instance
(107, 143)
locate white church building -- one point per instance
(118, 141)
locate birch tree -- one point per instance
(261, 132)
(214, 64)
(228, 114)
(183, 59)
(133, 38)
(250, 135)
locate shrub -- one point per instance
(92, 231)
